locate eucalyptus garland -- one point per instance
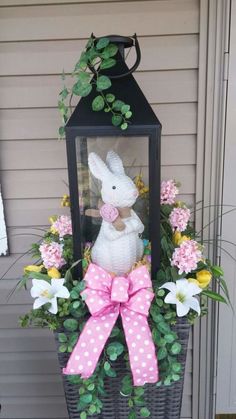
(98, 55)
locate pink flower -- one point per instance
(51, 254)
(186, 256)
(62, 225)
(168, 192)
(109, 213)
(179, 218)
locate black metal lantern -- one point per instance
(138, 147)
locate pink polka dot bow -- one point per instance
(106, 298)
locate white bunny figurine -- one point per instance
(116, 251)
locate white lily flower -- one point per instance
(181, 293)
(46, 292)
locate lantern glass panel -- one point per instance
(134, 152)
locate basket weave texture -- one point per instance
(164, 402)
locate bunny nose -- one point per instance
(135, 194)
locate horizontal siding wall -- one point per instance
(37, 40)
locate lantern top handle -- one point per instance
(124, 42)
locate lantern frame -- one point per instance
(85, 123)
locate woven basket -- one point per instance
(163, 402)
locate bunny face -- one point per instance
(117, 188)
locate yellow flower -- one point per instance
(33, 268)
(204, 278)
(140, 185)
(53, 230)
(178, 238)
(54, 273)
(65, 201)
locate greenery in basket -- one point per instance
(59, 305)
(99, 55)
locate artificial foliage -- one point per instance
(72, 312)
(99, 55)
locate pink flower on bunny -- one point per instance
(114, 250)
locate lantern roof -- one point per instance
(125, 89)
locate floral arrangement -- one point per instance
(181, 288)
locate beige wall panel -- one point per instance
(28, 340)
(176, 119)
(42, 91)
(29, 363)
(34, 408)
(46, 154)
(26, 385)
(79, 20)
(158, 53)
(51, 183)
(46, 2)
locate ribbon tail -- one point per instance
(142, 354)
(86, 353)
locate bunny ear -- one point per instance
(97, 167)
(114, 163)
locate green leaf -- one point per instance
(113, 357)
(116, 120)
(107, 366)
(175, 348)
(163, 327)
(111, 373)
(103, 83)
(86, 398)
(125, 108)
(73, 339)
(102, 43)
(74, 295)
(115, 332)
(139, 391)
(115, 347)
(124, 126)
(91, 387)
(162, 353)
(128, 114)
(92, 409)
(132, 415)
(84, 77)
(81, 89)
(144, 412)
(176, 367)
(61, 131)
(71, 325)
(64, 93)
(63, 348)
(214, 296)
(111, 50)
(110, 62)
(83, 415)
(117, 105)
(62, 337)
(110, 97)
(98, 103)
(176, 377)
(217, 271)
(170, 338)
(76, 304)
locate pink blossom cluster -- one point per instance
(168, 192)
(51, 254)
(63, 225)
(179, 218)
(186, 256)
